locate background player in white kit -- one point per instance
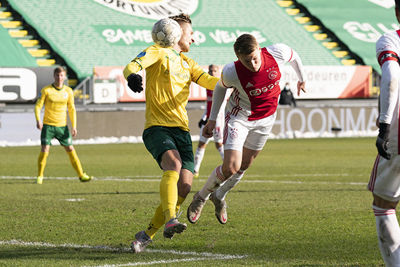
(385, 177)
(250, 115)
(213, 70)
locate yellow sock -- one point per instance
(42, 162)
(179, 203)
(73, 157)
(156, 222)
(169, 194)
(158, 219)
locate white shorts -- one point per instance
(385, 176)
(239, 132)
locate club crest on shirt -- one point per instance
(185, 64)
(65, 95)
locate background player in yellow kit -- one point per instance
(56, 98)
(166, 136)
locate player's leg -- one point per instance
(46, 136)
(255, 141)
(63, 135)
(236, 134)
(199, 154)
(42, 160)
(385, 187)
(388, 230)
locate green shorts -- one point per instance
(62, 134)
(159, 139)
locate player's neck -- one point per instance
(57, 85)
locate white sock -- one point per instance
(388, 230)
(224, 188)
(198, 158)
(213, 182)
(221, 151)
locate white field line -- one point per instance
(198, 256)
(154, 178)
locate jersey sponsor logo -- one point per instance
(259, 91)
(152, 9)
(272, 75)
(141, 54)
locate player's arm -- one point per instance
(389, 62)
(297, 65)
(283, 54)
(217, 100)
(143, 60)
(72, 112)
(38, 108)
(201, 77)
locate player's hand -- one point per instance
(301, 86)
(135, 82)
(202, 122)
(382, 140)
(208, 129)
(39, 125)
(74, 132)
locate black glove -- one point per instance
(382, 140)
(135, 82)
(202, 122)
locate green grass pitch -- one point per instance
(303, 203)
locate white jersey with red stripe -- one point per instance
(255, 94)
(385, 176)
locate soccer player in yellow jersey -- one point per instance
(56, 98)
(166, 136)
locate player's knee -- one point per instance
(383, 203)
(230, 170)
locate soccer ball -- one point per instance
(166, 32)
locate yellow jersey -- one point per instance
(168, 78)
(56, 101)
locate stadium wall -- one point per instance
(351, 119)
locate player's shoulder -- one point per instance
(278, 47)
(228, 74)
(281, 52)
(229, 68)
(68, 89)
(47, 88)
(388, 41)
(151, 51)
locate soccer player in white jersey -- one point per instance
(385, 177)
(213, 70)
(250, 115)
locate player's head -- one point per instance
(397, 9)
(213, 70)
(60, 74)
(187, 32)
(248, 51)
